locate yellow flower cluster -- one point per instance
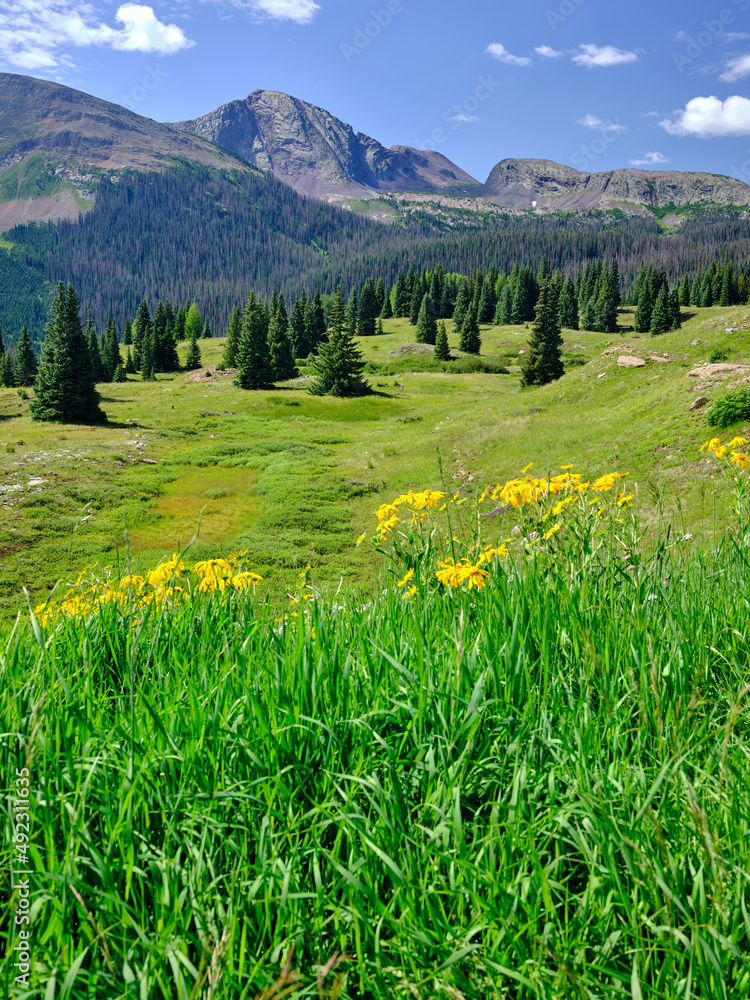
(522, 492)
(739, 459)
(135, 593)
(418, 504)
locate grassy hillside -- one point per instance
(293, 478)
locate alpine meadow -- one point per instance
(374, 550)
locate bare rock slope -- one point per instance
(316, 153)
(545, 184)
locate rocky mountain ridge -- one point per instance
(317, 154)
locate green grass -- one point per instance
(312, 467)
(537, 790)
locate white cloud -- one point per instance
(599, 125)
(605, 55)
(708, 116)
(651, 114)
(33, 32)
(736, 69)
(300, 11)
(650, 160)
(498, 51)
(461, 117)
(547, 52)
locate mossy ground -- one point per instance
(294, 478)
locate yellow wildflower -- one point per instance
(362, 538)
(622, 500)
(449, 573)
(409, 575)
(484, 495)
(605, 483)
(474, 576)
(528, 468)
(411, 592)
(243, 581)
(741, 460)
(721, 451)
(552, 531)
(736, 443)
(559, 506)
(711, 445)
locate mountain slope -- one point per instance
(55, 142)
(314, 152)
(545, 184)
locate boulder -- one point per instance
(628, 361)
(698, 404)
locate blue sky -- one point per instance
(590, 83)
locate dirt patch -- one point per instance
(726, 376)
(201, 374)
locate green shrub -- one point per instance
(717, 355)
(730, 409)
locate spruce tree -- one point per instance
(544, 360)
(339, 365)
(416, 302)
(229, 357)
(64, 386)
(193, 323)
(298, 330)
(436, 290)
(605, 316)
(26, 363)
(280, 347)
(379, 329)
(368, 310)
(463, 301)
(686, 291)
(7, 371)
(660, 318)
(379, 295)
(119, 374)
(318, 322)
(254, 370)
(644, 310)
(567, 307)
(386, 311)
(127, 336)
(352, 314)
(588, 314)
(92, 343)
(142, 331)
(505, 306)
(487, 300)
(442, 348)
(130, 364)
(471, 341)
(426, 323)
(401, 296)
(110, 350)
(675, 313)
(193, 359)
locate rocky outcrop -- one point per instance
(545, 184)
(316, 153)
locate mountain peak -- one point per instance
(309, 148)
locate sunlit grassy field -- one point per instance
(530, 784)
(292, 477)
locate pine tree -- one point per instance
(127, 335)
(436, 289)
(614, 284)
(644, 310)
(504, 313)
(463, 301)
(339, 365)
(26, 363)
(544, 360)
(525, 295)
(130, 364)
(660, 318)
(207, 334)
(368, 310)
(426, 323)
(605, 316)
(386, 311)
(379, 295)
(298, 330)
(487, 300)
(416, 302)
(318, 322)
(280, 347)
(119, 374)
(686, 291)
(401, 296)
(7, 371)
(675, 313)
(229, 357)
(64, 385)
(193, 359)
(588, 314)
(725, 296)
(352, 314)
(471, 341)
(142, 331)
(110, 350)
(254, 370)
(567, 307)
(442, 348)
(379, 329)
(93, 345)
